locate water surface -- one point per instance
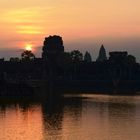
(82, 117)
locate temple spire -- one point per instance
(102, 54)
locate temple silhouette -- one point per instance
(57, 68)
(102, 54)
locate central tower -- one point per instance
(52, 46)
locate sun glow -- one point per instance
(28, 47)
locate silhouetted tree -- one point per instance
(27, 55)
(1, 59)
(76, 56)
(14, 59)
(102, 55)
(131, 59)
(87, 57)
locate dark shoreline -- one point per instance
(59, 87)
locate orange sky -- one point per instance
(94, 22)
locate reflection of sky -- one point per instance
(19, 123)
(98, 117)
(112, 22)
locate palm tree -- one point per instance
(27, 55)
(76, 56)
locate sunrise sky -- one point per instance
(83, 24)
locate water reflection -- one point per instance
(54, 113)
(52, 118)
(17, 121)
(98, 117)
(121, 119)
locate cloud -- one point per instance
(27, 20)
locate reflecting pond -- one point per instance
(71, 117)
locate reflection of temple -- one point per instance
(57, 111)
(52, 114)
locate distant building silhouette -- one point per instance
(87, 57)
(102, 55)
(52, 45)
(122, 65)
(119, 57)
(68, 70)
(52, 50)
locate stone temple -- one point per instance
(102, 55)
(52, 45)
